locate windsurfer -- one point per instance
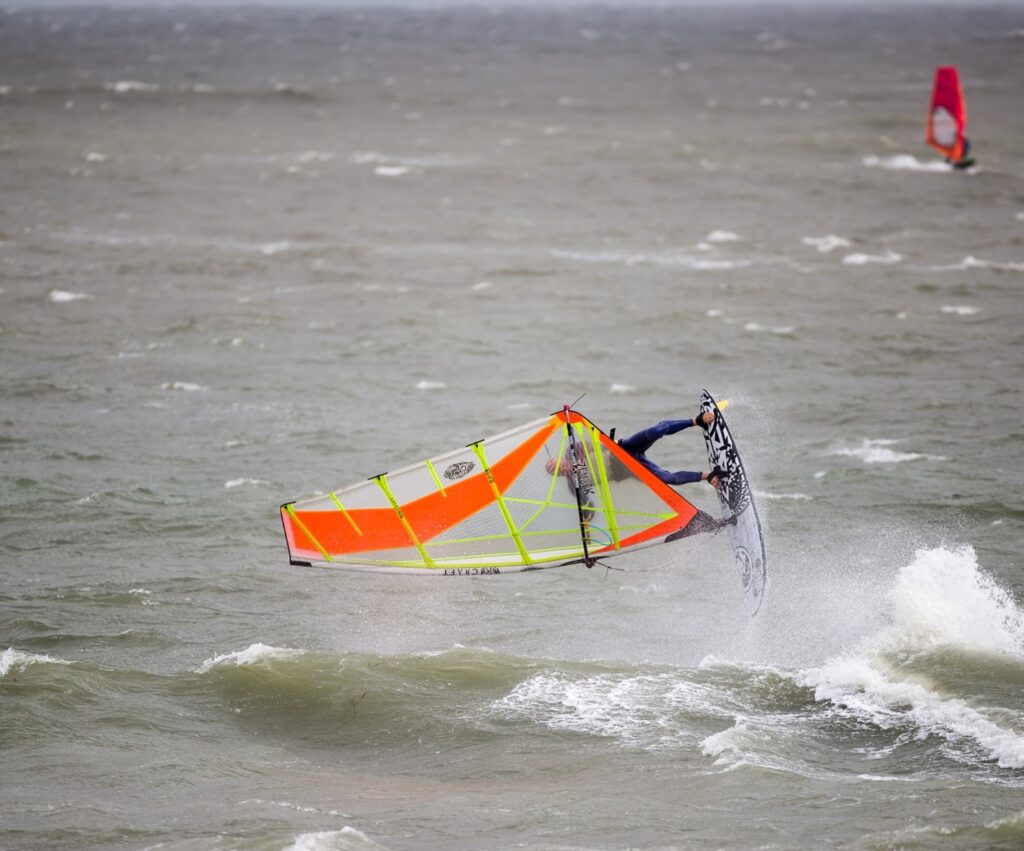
(638, 444)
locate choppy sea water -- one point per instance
(247, 255)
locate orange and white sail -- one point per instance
(515, 501)
(947, 115)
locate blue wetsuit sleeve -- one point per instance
(639, 443)
(682, 477)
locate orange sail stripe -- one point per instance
(429, 516)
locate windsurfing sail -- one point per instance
(554, 491)
(947, 116)
(737, 501)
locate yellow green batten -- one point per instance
(500, 500)
(302, 526)
(382, 481)
(344, 511)
(606, 494)
(437, 479)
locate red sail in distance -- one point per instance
(947, 115)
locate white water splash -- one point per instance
(237, 483)
(944, 598)
(757, 328)
(906, 162)
(799, 497)
(825, 244)
(252, 655)
(182, 386)
(346, 839)
(878, 452)
(941, 600)
(124, 87)
(972, 262)
(63, 296)
(639, 258)
(859, 259)
(638, 710)
(11, 660)
(722, 236)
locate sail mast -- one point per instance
(578, 471)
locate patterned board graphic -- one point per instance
(738, 502)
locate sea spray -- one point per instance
(941, 599)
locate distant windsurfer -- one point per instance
(946, 126)
(638, 444)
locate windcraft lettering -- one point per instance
(471, 571)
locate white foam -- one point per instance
(288, 805)
(123, 87)
(390, 170)
(728, 746)
(906, 162)
(63, 296)
(183, 386)
(825, 244)
(881, 778)
(859, 259)
(118, 239)
(407, 162)
(799, 497)
(272, 248)
(942, 599)
(600, 705)
(960, 309)
(12, 659)
(622, 389)
(755, 328)
(252, 655)
(722, 236)
(95, 157)
(482, 285)
(430, 385)
(877, 451)
(667, 259)
(346, 839)
(639, 710)
(972, 262)
(237, 483)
